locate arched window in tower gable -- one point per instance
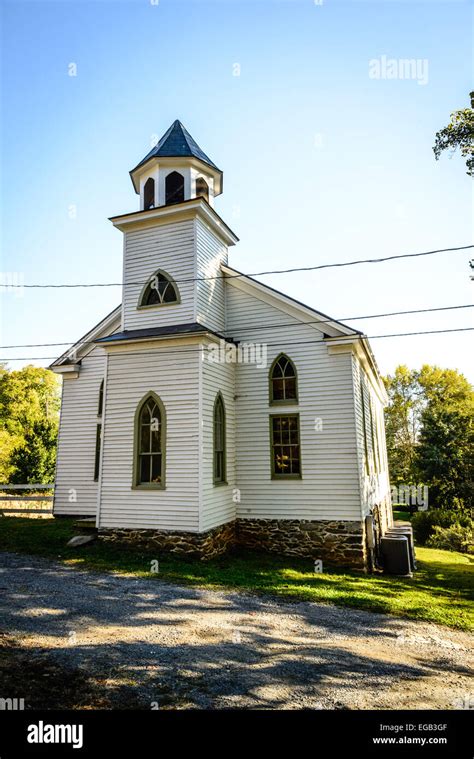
(283, 381)
(174, 188)
(202, 189)
(149, 194)
(161, 290)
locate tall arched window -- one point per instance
(219, 441)
(283, 381)
(98, 432)
(149, 194)
(150, 443)
(161, 290)
(174, 188)
(101, 399)
(202, 189)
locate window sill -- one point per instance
(148, 487)
(159, 305)
(292, 402)
(287, 477)
(219, 483)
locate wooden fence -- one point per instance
(25, 499)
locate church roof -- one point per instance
(165, 331)
(176, 143)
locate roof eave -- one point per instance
(200, 205)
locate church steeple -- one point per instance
(175, 170)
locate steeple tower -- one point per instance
(176, 243)
(175, 170)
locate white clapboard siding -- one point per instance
(210, 254)
(217, 505)
(173, 374)
(169, 247)
(330, 487)
(373, 468)
(77, 438)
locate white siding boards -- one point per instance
(76, 490)
(191, 254)
(217, 500)
(172, 372)
(339, 400)
(329, 486)
(169, 247)
(372, 453)
(210, 254)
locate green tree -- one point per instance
(458, 134)
(429, 432)
(445, 457)
(27, 396)
(35, 459)
(402, 419)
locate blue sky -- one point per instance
(322, 163)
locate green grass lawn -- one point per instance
(441, 590)
(403, 516)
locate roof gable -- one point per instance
(306, 314)
(86, 344)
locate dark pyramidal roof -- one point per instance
(177, 142)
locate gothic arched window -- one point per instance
(149, 194)
(150, 443)
(202, 189)
(283, 381)
(219, 441)
(160, 291)
(174, 188)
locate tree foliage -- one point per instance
(29, 418)
(430, 433)
(459, 133)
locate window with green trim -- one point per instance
(219, 441)
(283, 381)
(285, 445)
(150, 443)
(160, 291)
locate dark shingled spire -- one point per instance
(177, 142)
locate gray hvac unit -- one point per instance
(408, 531)
(395, 551)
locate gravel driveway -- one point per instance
(180, 647)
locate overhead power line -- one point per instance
(247, 328)
(180, 351)
(254, 274)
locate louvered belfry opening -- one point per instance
(202, 189)
(149, 194)
(174, 188)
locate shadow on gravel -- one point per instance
(246, 664)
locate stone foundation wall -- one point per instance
(341, 543)
(203, 545)
(338, 543)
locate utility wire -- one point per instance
(255, 274)
(340, 339)
(247, 328)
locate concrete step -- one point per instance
(85, 525)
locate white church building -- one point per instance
(209, 410)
